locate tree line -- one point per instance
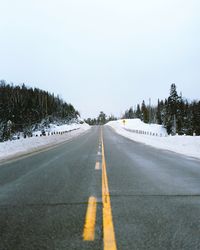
(101, 119)
(22, 109)
(175, 113)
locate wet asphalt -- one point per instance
(155, 196)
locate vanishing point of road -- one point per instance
(100, 191)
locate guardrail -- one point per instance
(137, 131)
(50, 133)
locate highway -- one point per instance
(100, 191)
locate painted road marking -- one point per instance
(108, 228)
(90, 220)
(97, 165)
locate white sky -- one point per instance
(102, 54)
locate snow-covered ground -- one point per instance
(54, 135)
(156, 136)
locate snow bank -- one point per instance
(56, 128)
(139, 127)
(62, 133)
(156, 136)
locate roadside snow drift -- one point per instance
(55, 135)
(156, 136)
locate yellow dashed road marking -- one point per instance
(90, 220)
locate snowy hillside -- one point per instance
(156, 136)
(54, 135)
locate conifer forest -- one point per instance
(24, 109)
(175, 113)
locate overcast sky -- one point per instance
(102, 54)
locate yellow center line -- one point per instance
(90, 220)
(108, 228)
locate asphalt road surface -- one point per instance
(100, 191)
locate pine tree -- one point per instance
(101, 118)
(196, 117)
(131, 113)
(187, 119)
(158, 113)
(145, 114)
(138, 112)
(171, 110)
(180, 115)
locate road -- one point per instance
(100, 191)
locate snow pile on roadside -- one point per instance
(62, 128)
(137, 126)
(37, 142)
(187, 145)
